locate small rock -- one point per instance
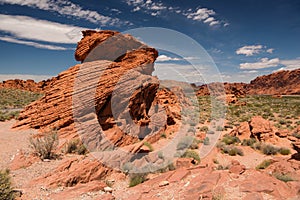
(163, 183)
(108, 189)
(235, 162)
(282, 133)
(237, 169)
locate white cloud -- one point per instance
(136, 9)
(214, 23)
(67, 8)
(263, 63)
(203, 15)
(249, 50)
(270, 50)
(290, 64)
(23, 27)
(156, 8)
(37, 78)
(251, 72)
(226, 24)
(148, 6)
(34, 44)
(208, 20)
(164, 58)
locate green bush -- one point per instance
(210, 132)
(191, 154)
(219, 128)
(283, 177)
(297, 135)
(228, 139)
(44, 146)
(269, 149)
(206, 141)
(222, 167)
(163, 135)
(188, 142)
(204, 128)
(284, 151)
(249, 142)
(147, 144)
(136, 179)
(75, 146)
(257, 146)
(6, 190)
(230, 150)
(264, 164)
(127, 167)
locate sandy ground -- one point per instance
(11, 142)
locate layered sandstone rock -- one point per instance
(28, 85)
(258, 128)
(109, 101)
(278, 83)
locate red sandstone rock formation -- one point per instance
(278, 83)
(258, 128)
(110, 100)
(28, 85)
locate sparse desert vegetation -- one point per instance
(6, 190)
(159, 139)
(12, 100)
(44, 146)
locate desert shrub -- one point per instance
(169, 167)
(75, 146)
(15, 98)
(284, 151)
(219, 128)
(191, 154)
(160, 155)
(44, 146)
(135, 179)
(249, 142)
(235, 151)
(7, 115)
(269, 149)
(228, 139)
(163, 135)
(188, 142)
(217, 196)
(204, 128)
(222, 167)
(127, 167)
(257, 146)
(264, 164)
(230, 150)
(147, 144)
(191, 129)
(283, 177)
(228, 126)
(297, 135)
(6, 190)
(206, 141)
(210, 132)
(215, 161)
(282, 121)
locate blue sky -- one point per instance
(245, 38)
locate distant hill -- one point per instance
(278, 83)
